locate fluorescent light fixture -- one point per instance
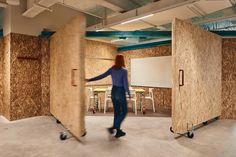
(116, 40)
(140, 18)
(99, 30)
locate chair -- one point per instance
(150, 96)
(92, 97)
(133, 99)
(107, 98)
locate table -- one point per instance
(139, 91)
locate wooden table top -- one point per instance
(100, 89)
(139, 90)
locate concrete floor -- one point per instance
(146, 137)
(160, 112)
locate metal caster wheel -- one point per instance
(205, 123)
(190, 134)
(63, 136)
(94, 111)
(58, 122)
(171, 130)
(85, 133)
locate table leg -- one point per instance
(143, 109)
(95, 103)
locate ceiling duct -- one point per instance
(35, 7)
(3, 5)
(13, 2)
(9, 2)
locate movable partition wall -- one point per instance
(67, 76)
(197, 65)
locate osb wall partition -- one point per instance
(6, 77)
(1, 77)
(67, 75)
(22, 88)
(229, 79)
(162, 96)
(99, 57)
(196, 92)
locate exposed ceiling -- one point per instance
(142, 15)
(210, 14)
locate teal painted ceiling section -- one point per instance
(145, 34)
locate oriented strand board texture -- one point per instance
(162, 96)
(229, 79)
(5, 111)
(1, 76)
(45, 76)
(67, 53)
(26, 79)
(198, 53)
(96, 63)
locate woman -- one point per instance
(118, 94)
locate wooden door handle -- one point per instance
(181, 77)
(73, 77)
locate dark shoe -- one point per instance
(120, 133)
(110, 130)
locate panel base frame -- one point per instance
(190, 132)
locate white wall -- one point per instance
(6, 20)
(16, 23)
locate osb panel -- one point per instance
(95, 49)
(6, 77)
(67, 53)
(198, 53)
(229, 79)
(45, 76)
(162, 96)
(1, 77)
(25, 79)
(98, 59)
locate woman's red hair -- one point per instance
(119, 62)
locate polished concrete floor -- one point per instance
(146, 137)
(160, 112)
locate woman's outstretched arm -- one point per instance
(125, 82)
(99, 77)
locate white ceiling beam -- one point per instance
(151, 8)
(109, 5)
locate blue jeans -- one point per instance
(118, 96)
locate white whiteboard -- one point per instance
(151, 72)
